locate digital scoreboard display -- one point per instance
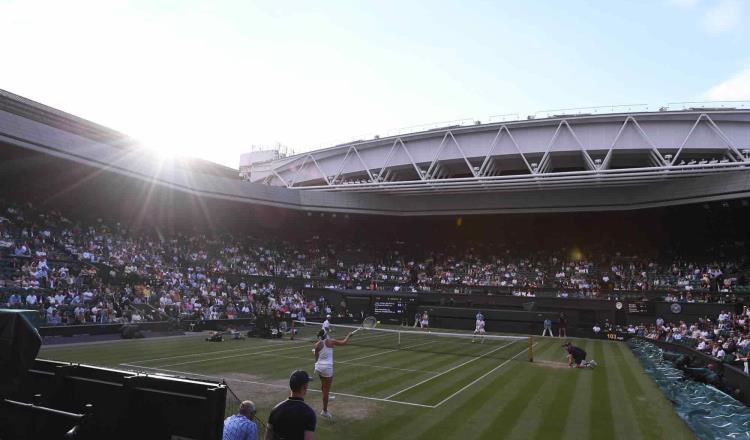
(390, 305)
(641, 308)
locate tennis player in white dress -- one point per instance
(425, 323)
(324, 365)
(479, 330)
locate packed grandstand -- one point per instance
(93, 247)
(279, 245)
(74, 271)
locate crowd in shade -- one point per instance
(103, 271)
(725, 337)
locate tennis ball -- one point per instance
(378, 322)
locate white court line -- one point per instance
(356, 364)
(388, 351)
(232, 350)
(449, 370)
(206, 353)
(382, 400)
(187, 373)
(198, 361)
(364, 336)
(114, 341)
(481, 377)
(190, 373)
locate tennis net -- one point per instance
(458, 344)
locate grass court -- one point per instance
(467, 391)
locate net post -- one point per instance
(292, 332)
(399, 340)
(531, 349)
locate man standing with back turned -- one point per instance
(292, 419)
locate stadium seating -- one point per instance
(102, 272)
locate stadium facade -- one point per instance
(561, 163)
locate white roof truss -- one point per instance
(545, 162)
(483, 169)
(302, 166)
(387, 163)
(343, 163)
(654, 155)
(443, 143)
(737, 157)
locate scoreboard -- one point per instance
(641, 308)
(390, 305)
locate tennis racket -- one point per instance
(367, 323)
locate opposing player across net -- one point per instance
(458, 344)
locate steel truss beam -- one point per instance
(655, 156)
(435, 160)
(387, 164)
(590, 178)
(434, 173)
(717, 130)
(544, 163)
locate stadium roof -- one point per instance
(563, 163)
(557, 152)
(51, 117)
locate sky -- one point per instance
(213, 79)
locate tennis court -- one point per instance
(423, 386)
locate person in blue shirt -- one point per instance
(547, 327)
(241, 426)
(15, 300)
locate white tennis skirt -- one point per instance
(324, 370)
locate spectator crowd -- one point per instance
(74, 272)
(725, 337)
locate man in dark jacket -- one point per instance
(292, 419)
(577, 357)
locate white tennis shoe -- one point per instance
(326, 414)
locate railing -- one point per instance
(580, 111)
(541, 114)
(708, 105)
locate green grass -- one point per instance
(485, 398)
